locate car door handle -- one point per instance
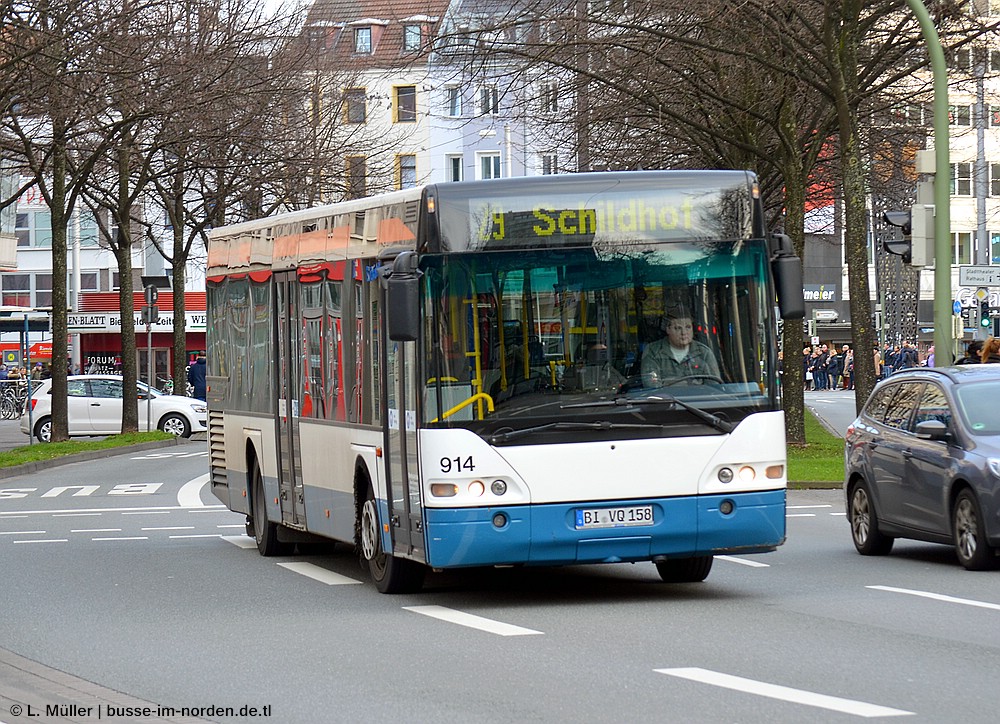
(907, 453)
(95, 404)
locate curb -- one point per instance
(15, 470)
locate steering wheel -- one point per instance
(676, 380)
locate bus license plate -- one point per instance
(614, 517)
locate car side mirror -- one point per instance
(932, 430)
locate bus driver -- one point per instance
(679, 354)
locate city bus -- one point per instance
(453, 376)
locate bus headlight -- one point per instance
(726, 475)
(476, 488)
(747, 474)
(499, 487)
(444, 490)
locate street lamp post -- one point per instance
(943, 334)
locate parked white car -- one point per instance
(94, 404)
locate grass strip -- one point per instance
(51, 450)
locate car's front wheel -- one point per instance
(970, 536)
(868, 539)
(175, 425)
(43, 429)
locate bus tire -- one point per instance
(390, 573)
(265, 533)
(684, 570)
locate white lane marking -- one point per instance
(467, 619)
(841, 514)
(238, 525)
(20, 532)
(76, 515)
(939, 597)
(743, 561)
(784, 693)
(800, 515)
(805, 507)
(148, 512)
(317, 573)
(189, 496)
(171, 527)
(5, 516)
(240, 541)
(202, 508)
(199, 535)
(96, 530)
(39, 540)
(124, 537)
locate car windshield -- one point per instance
(978, 403)
(542, 335)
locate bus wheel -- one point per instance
(390, 574)
(684, 570)
(264, 531)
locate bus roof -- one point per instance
(714, 203)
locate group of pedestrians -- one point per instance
(823, 369)
(900, 357)
(981, 352)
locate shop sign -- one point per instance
(112, 322)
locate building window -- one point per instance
(959, 115)
(550, 97)
(16, 290)
(43, 290)
(909, 114)
(961, 59)
(411, 38)
(995, 180)
(489, 165)
(356, 181)
(454, 101)
(363, 40)
(961, 179)
(550, 164)
(995, 61)
(406, 103)
(489, 100)
(355, 105)
(962, 247)
(406, 171)
(995, 115)
(454, 167)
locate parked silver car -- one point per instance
(94, 404)
(922, 461)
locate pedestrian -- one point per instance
(36, 373)
(991, 351)
(196, 376)
(971, 353)
(930, 356)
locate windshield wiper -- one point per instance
(714, 420)
(510, 434)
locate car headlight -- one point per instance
(200, 409)
(994, 464)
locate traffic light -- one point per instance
(984, 314)
(901, 247)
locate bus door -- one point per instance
(291, 359)
(405, 513)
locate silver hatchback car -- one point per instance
(922, 461)
(94, 405)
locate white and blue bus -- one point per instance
(453, 375)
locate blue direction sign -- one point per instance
(956, 308)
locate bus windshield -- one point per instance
(552, 335)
